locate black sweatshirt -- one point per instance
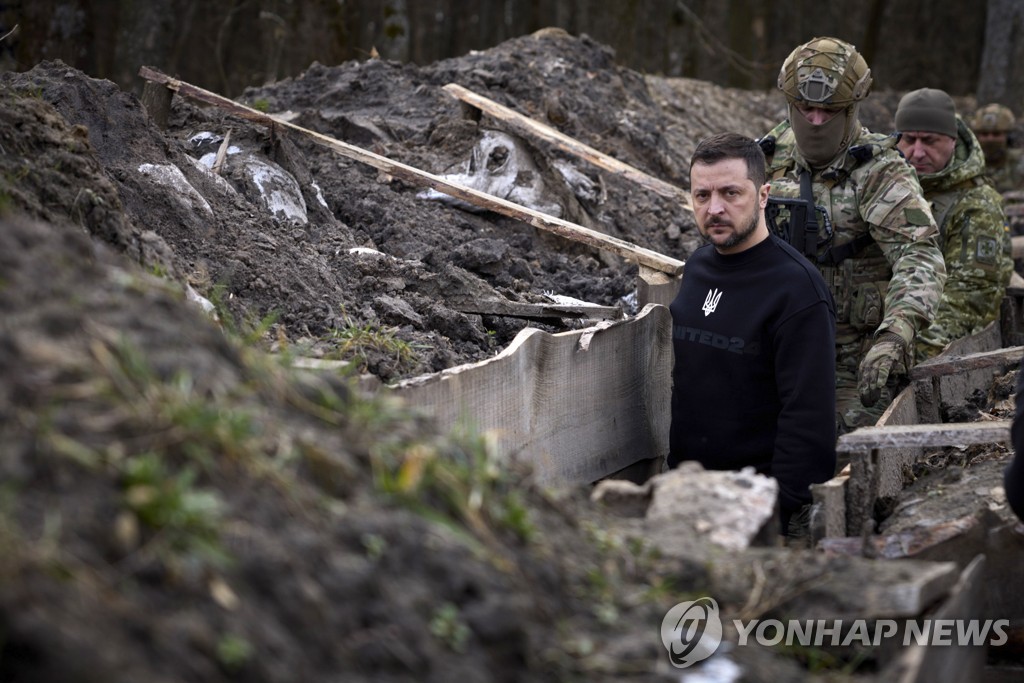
(1013, 479)
(754, 378)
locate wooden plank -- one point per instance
(654, 287)
(576, 406)
(830, 499)
(878, 471)
(415, 176)
(953, 381)
(905, 543)
(942, 365)
(927, 663)
(861, 588)
(528, 127)
(522, 309)
(157, 102)
(925, 435)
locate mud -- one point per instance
(176, 505)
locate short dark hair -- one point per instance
(733, 146)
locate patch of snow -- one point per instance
(582, 186)
(204, 137)
(366, 251)
(209, 159)
(171, 176)
(197, 298)
(717, 669)
(630, 305)
(501, 167)
(567, 300)
(320, 196)
(221, 182)
(279, 191)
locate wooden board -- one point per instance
(942, 365)
(830, 498)
(967, 365)
(654, 287)
(521, 309)
(925, 435)
(926, 663)
(577, 406)
(527, 127)
(420, 178)
(879, 454)
(878, 470)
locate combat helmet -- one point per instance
(992, 118)
(827, 72)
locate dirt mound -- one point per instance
(177, 505)
(328, 249)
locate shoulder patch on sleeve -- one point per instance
(916, 216)
(986, 250)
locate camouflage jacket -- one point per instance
(1008, 179)
(1008, 175)
(975, 243)
(893, 273)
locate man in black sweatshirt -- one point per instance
(753, 330)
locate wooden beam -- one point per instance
(925, 435)
(415, 176)
(654, 287)
(951, 662)
(941, 366)
(546, 398)
(521, 309)
(528, 127)
(157, 102)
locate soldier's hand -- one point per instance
(883, 359)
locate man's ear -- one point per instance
(763, 195)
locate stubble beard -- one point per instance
(734, 238)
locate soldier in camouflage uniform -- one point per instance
(1004, 164)
(878, 249)
(973, 235)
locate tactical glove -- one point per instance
(883, 359)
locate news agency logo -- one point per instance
(691, 631)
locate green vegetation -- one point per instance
(185, 518)
(359, 343)
(459, 477)
(250, 330)
(447, 626)
(233, 652)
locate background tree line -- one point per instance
(964, 46)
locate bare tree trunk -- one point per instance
(1002, 70)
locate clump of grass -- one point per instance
(459, 477)
(234, 652)
(249, 329)
(181, 417)
(448, 626)
(185, 518)
(360, 343)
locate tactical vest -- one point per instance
(853, 265)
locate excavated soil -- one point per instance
(175, 505)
